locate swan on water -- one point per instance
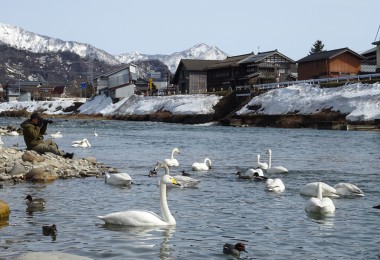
(81, 143)
(95, 133)
(182, 180)
(205, 166)
(120, 178)
(56, 135)
(319, 204)
(143, 218)
(261, 165)
(347, 190)
(274, 169)
(310, 189)
(12, 133)
(172, 161)
(275, 185)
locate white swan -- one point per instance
(310, 189)
(275, 185)
(95, 133)
(261, 165)
(12, 133)
(172, 161)
(274, 169)
(347, 189)
(56, 135)
(82, 143)
(205, 166)
(142, 218)
(319, 204)
(183, 181)
(120, 178)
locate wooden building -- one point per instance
(329, 64)
(250, 69)
(191, 76)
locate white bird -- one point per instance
(347, 190)
(142, 218)
(274, 169)
(120, 178)
(319, 204)
(82, 143)
(257, 174)
(183, 181)
(275, 185)
(261, 165)
(1, 142)
(13, 133)
(205, 166)
(56, 135)
(310, 189)
(95, 133)
(172, 161)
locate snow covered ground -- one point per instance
(360, 101)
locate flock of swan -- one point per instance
(319, 192)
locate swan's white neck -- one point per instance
(166, 169)
(270, 159)
(166, 215)
(319, 191)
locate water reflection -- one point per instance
(324, 219)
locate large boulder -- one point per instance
(41, 175)
(4, 211)
(32, 156)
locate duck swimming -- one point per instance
(49, 230)
(230, 249)
(34, 203)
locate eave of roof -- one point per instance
(328, 55)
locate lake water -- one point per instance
(222, 209)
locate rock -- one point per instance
(4, 210)
(17, 169)
(41, 175)
(32, 156)
(91, 160)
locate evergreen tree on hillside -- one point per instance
(317, 47)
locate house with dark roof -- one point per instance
(191, 76)
(250, 69)
(329, 64)
(377, 44)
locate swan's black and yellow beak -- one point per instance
(175, 182)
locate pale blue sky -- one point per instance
(167, 26)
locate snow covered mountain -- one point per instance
(200, 51)
(21, 39)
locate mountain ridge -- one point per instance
(21, 39)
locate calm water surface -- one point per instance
(221, 209)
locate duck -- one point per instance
(348, 190)
(35, 203)
(244, 177)
(185, 173)
(56, 135)
(81, 143)
(376, 207)
(172, 161)
(274, 169)
(275, 185)
(319, 204)
(120, 178)
(261, 165)
(183, 181)
(230, 249)
(152, 173)
(310, 189)
(49, 230)
(143, 218)
(205, 166)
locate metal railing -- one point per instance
(314, 81)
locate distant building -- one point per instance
(377, 55)
(32, 90)
(329, 64)
(368, 65)
(191, 76)
(250, 69)
(117, 84)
